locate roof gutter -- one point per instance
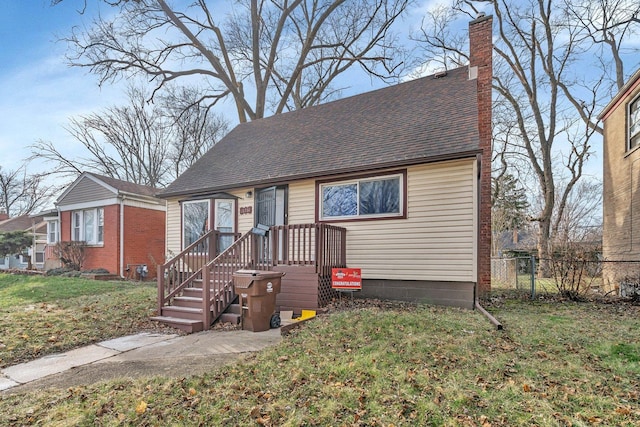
(289, 178)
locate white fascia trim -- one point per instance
(87, 205)
(148, 204)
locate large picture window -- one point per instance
(195, 220)
(634, 123)
(371, 197)
(88, 226)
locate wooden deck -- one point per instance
(304, 252)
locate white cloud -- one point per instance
(37, 102)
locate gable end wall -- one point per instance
(86, 191)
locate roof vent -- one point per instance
(440, 74)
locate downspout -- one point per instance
(488, 315)
(58, 236)
(122, 197)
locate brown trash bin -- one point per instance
(257, 292)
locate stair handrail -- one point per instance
(241, 254)
(170, 271)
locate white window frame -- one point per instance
(53, 230)
(35, 257)
(208, 220)
(633, 119)
(79, 227)
(358, 181)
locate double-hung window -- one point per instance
(88, 226)
(52, 232)
(634, 123)
(363, 198)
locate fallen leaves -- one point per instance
(141, 407)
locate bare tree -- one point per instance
(509, 208)
(22, 193)
(194, 128)
(285, 53)
(608, 25)
(539, 51)
(143, 143)
(581, 218)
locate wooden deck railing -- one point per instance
(181, 271)
(322, 245)
(248, 252)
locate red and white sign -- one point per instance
(346, 278)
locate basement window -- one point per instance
(362, 198)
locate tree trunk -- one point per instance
(544, 249)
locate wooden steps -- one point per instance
(232, 315)
(188, 325)
(186, 312)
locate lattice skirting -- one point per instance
(325, 292)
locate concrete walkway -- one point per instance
(143, 347)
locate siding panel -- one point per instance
(437, 240)
(86, 190)
(173, 228)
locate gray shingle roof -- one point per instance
(21, 223)
(421, 120)
(125, 186)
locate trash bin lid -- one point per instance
(258, 274)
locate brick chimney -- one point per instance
(3, 215)
(481, 69)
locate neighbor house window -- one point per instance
(52, 232)
(195, 220)
(634, 123)
(88, 226)
(39, 257)
(371, 197)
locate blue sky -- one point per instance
(38, 91)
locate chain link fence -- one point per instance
(572, 277)
(513, 273)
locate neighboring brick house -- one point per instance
(621, 186)
(404, 170)
(122, 224)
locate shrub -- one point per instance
(71, 254)
(96, 271)
(574, 269)
(58, 271)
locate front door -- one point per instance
(271, 206)
(224, 221)
(271, 209)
